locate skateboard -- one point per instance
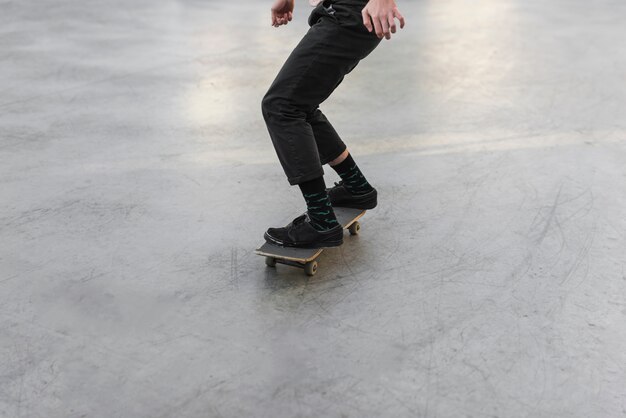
(306, 258)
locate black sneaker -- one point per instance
(301, 234)
(340, 197)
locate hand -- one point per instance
(380, 15)
(282, 12)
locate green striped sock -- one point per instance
(352, 177)
(318, 204)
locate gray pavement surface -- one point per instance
(137, 178)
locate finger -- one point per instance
(385, 26)
(290, 16)
(397, 14)
(378, 28)
(367, 20)
(392, 22)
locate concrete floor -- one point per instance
(137, 178)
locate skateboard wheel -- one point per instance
(355, 228)
(310, 268)
(270, 261)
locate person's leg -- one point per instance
(334, 152)
(354, 190)
(328, 141)
(341, 158)
(311, 73)
(351, 176)
(290, 108)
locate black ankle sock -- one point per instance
(318, 204)
(352, 177)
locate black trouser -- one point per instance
(302, 136)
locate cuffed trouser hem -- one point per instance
(306, 177)
(334, 155)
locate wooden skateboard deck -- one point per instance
(306, 258)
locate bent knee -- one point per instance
(282, 107)
(268, 105)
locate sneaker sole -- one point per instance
(324, 244)
(353, 206)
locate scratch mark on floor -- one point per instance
(234, 268)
